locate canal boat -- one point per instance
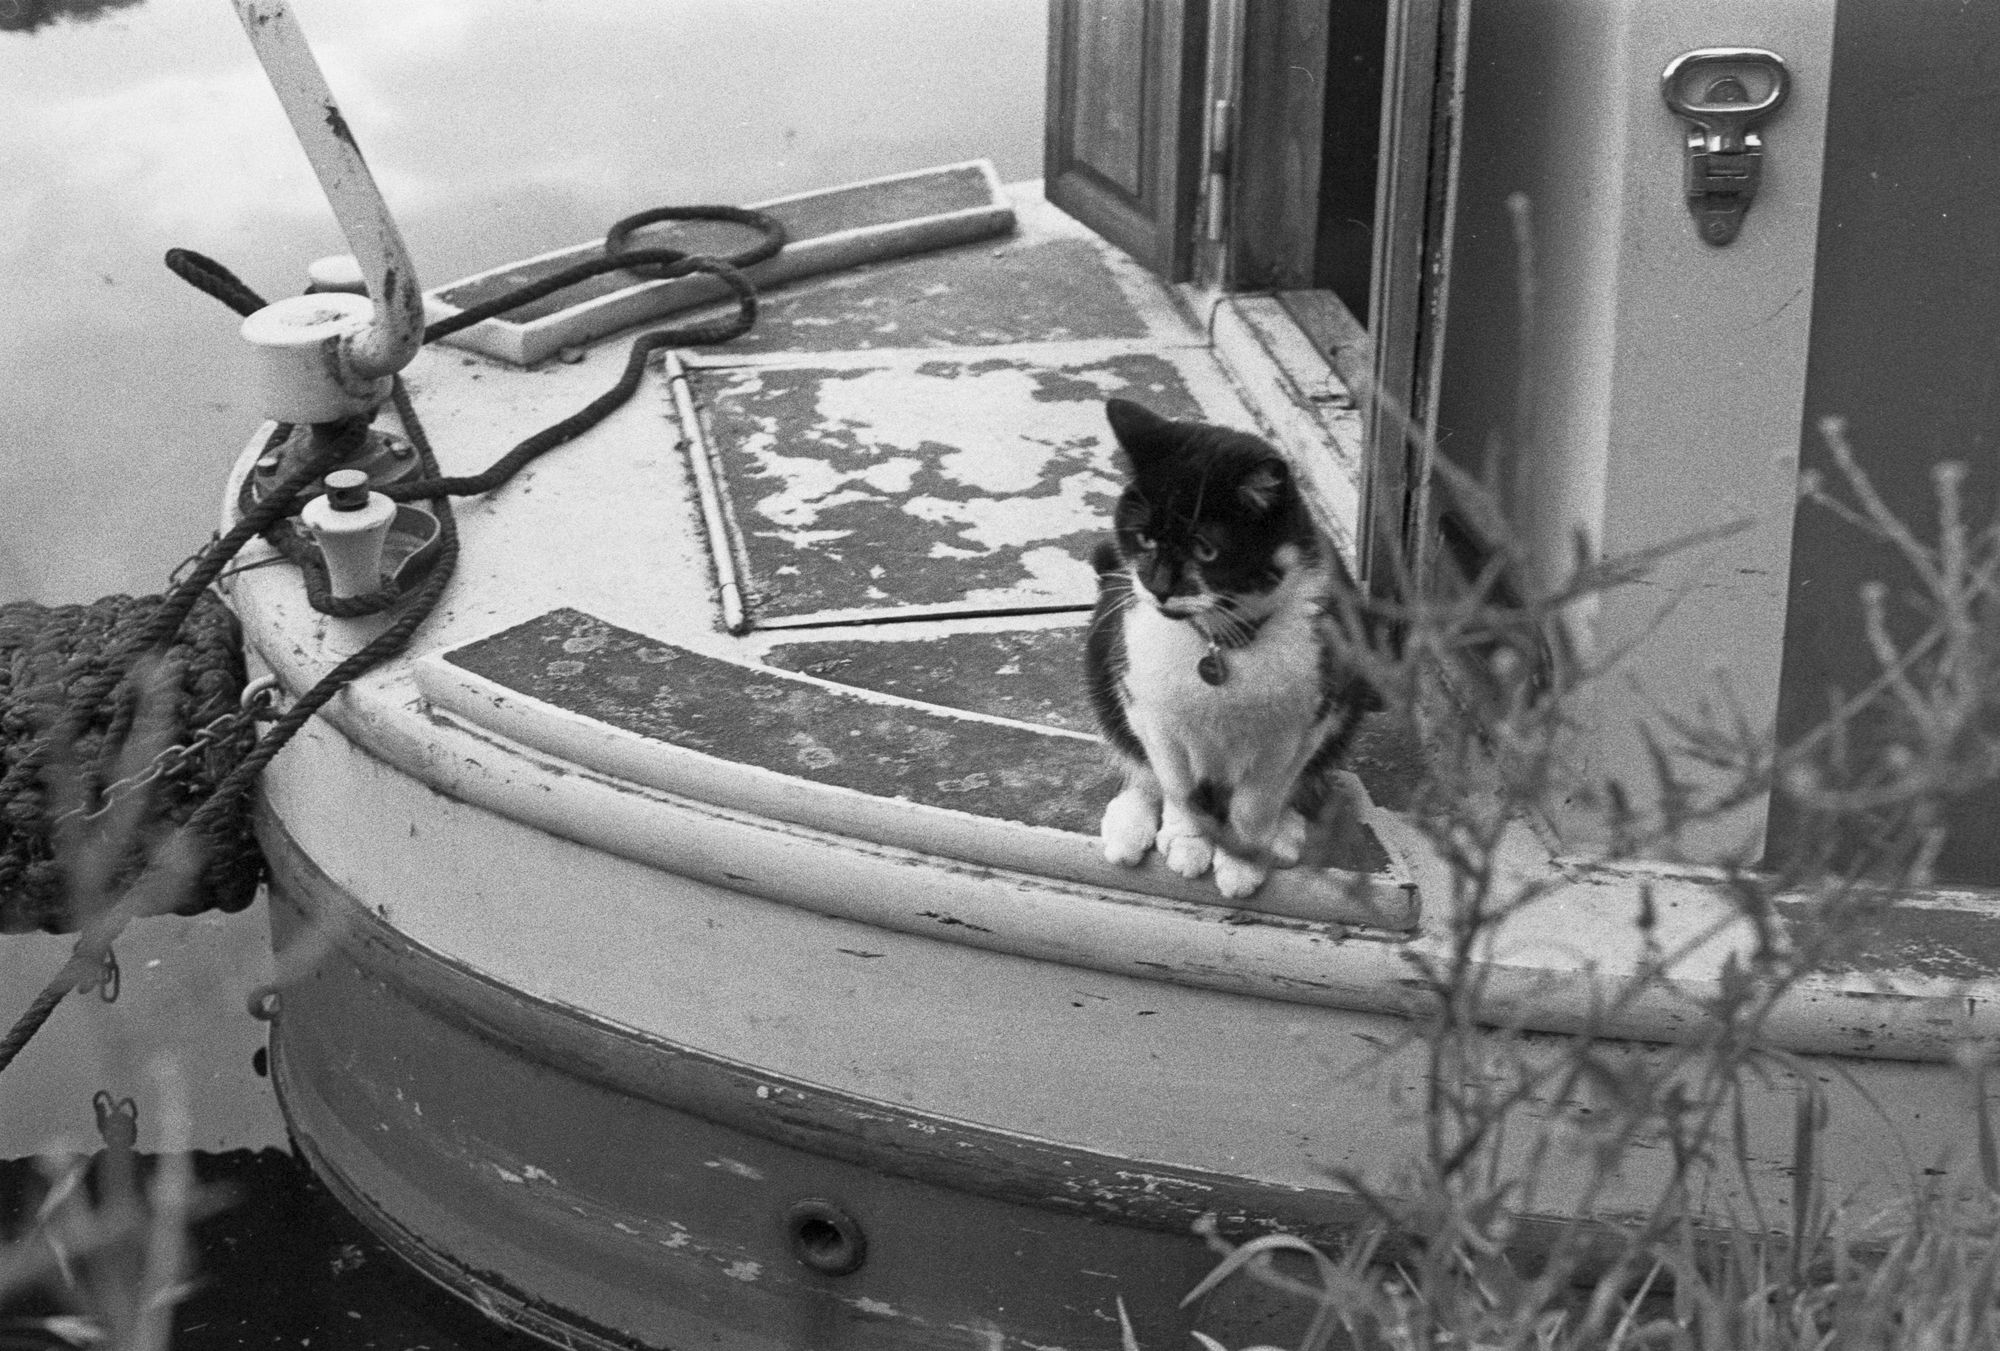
(696, 934)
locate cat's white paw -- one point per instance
(1130, 821)
(1288, 842)
(1237, 878)
(1188, 855)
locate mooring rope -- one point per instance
(151, 892)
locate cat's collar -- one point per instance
(1213, 667)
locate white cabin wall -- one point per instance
(1658, 388)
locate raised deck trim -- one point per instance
(830, 230)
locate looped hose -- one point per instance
(615, 238)
(594, 412)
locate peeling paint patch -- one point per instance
(534, 1174)
(1946, 942)
(506, 1176)
(743, 1269)
(874, 1308)
(736, 1167)
(984, 483)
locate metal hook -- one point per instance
(106, 979)
(117, 1120)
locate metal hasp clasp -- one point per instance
(1724, 92)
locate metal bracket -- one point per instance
(1724, 92)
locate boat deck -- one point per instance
(907, 465)
(838, 848)
(852, 845)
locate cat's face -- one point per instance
(1211, 517)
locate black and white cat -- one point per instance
(1208, 662)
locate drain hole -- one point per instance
(825, 1237)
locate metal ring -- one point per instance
(263, 1003)
(260, 693)
(825, 1237)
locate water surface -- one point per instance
(497, 129)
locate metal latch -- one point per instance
(1724, 92)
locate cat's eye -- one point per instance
(1203, 551)
(1142, 539)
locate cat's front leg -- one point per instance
(1183, 839)
(1271, 833)
(1237, 877)
(1184, 831)
(1131, 820)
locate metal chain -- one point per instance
(179, 758)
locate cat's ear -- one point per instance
(1262, 486)
(1135, 425)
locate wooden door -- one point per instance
(1122, 147)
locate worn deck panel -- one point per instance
(948, 484)
(1032, 675)
(976, 295)
(797, 727)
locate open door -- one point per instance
(1300, 148)
(1123, 140)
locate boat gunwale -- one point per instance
(1533, 975)
(922, 1146)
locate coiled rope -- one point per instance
(159, 883)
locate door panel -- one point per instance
(1905, 348)
(1122, 147)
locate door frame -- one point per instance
(1409, 291)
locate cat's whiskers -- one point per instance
(1112, 612)
(1228, 628)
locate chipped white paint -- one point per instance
(1078, 504)
(988, 1336)
(1054, 574)
(506, 1176)
(1151, 1183)
(1007, 439)
(534, 1174)
(735, 1167)
(743, 1269)
(874, 1307)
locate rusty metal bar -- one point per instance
(388, 343)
